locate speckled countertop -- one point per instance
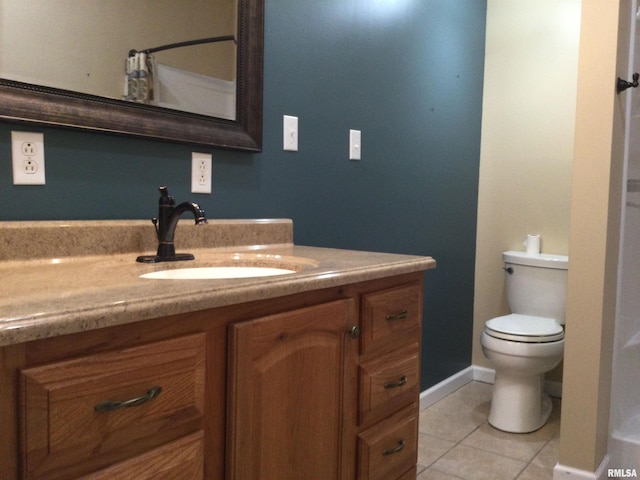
(66, 277)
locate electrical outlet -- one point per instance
(27, 151)
(200, 172)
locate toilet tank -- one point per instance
(537, 284)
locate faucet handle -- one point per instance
(154, 220)
(165, 198)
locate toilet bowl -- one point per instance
(519, 403)
(524, 345)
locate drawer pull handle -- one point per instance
(399, 383)
(398, 316)
(110, 405)
(354, 332)
(398, 448)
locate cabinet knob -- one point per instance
(354, 331)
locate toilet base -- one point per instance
(519, 404)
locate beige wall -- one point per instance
(95, 65)
(535, 179)
(595, 235)
(527, 140)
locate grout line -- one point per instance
(527, 464)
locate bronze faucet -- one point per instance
(168, 216)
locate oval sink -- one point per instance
(216, 273)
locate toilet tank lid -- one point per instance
(544, 260)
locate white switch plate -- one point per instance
(355, 147)
(200, 172)
(27, 152)
(290, 133)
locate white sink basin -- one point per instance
(210, 273)
(220, 266)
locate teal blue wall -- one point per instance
(407, 73)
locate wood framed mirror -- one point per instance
(28, 102)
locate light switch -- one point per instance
(290, 133)
(355, 147)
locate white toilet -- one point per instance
(529, 342)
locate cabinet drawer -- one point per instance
(390, 315)
(64, 432)
(179, 460)
(389, 384)
(410, 474)
(390, 448)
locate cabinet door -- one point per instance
(293, 395)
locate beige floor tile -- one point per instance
(448, 426)
(534, 472)
(474, 396)
(548, 456)
(479, 390)
(473, 464)
(457, 443)
(522, 446)
(431, 449)
(430, 474)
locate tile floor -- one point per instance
(457, 443)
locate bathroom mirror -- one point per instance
(51, 101)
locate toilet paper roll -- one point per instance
(532, 244)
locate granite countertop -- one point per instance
(66, 277)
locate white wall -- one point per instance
(527, 139)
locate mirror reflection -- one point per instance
(101, 47)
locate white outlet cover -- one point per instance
(27, 152)
(201, 172)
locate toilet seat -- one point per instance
(524, 328)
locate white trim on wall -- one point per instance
(445, 387)
(473, 372)
(560, 472)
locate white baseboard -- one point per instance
(474, 372)
(561, 472)
(483, 374)
(445, 387)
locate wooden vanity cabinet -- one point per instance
(330, 391)
(317, 385)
